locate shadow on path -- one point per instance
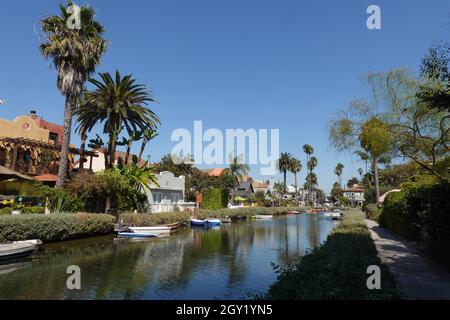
(419, 277)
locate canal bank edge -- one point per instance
(338, 269)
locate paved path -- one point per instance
(419, 277)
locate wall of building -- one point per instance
(23, 127)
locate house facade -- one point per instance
(168, 194)
(355, 194)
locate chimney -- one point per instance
(33, 113)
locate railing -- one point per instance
(170, 207)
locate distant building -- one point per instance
(168, 194)
(244, 189)
(355, 194)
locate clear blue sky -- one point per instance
(233, 64)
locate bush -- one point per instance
(54, 227)
(373, 212)
(6, 210)
(34, 210)
(337, 270)
(215, 198)
(150, 219)
(421, 211)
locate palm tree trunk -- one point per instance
(375, 174)
(296, 191)
(144, 142)
(65, 147)
(284, 174)
(82, 148)
(112, 150)
(127, 156)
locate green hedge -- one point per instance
(214, 199)
(373, 212)
(150, 219)
(337, 270)
(421, 211)
(54, 227)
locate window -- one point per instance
(174, 197)
(53, 137)
(157, 198)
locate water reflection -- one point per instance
(222, 263)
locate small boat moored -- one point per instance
(136, 235)
(205, 222)
(262, 217)
(161, 229)
(17, 249)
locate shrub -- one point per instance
(34, 210)
(215, 198)
(6, 210)
(54, 227)
(373, 212)
(337, 270)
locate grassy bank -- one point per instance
(337, 270)
(54, 227)
(145, 219)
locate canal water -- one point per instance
(229, 262)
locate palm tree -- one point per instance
(338, 171)
(118, 103)
(309, 150)
(312, 164)
(128, 142)
(237, 167)
(364, 157)
(295, 167)
(360, 172)
(283, 165)
(147, 135)
(75, 54)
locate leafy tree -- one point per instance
(336, 192)
(75, 54)
(352, 181)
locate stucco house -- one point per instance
(168, 194)
(355, 194)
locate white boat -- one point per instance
(16, 250)
(35, 242)
(335, 215)
(262, 217)
(161, 229)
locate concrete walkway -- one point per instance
(419, 277)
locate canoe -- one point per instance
(35, 242)
(136, 235)
(161, 229)
(15, 250)
(262, 217)
(205, 223)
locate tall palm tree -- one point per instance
(117, 103)
(364, 157)
(147, 135)
(75, 54)
(312, 164)
(237, 167)
(295, 167)
(128, 142)
(283, 165)
(338, 171)
(308, 150)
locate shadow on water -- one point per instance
(223, 263)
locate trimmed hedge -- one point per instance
(373, 212)
(54, 227)
(337, 270)
(150, 219)
(214, 199)
(421, 211)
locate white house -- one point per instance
(169, 194)
(355, 194)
